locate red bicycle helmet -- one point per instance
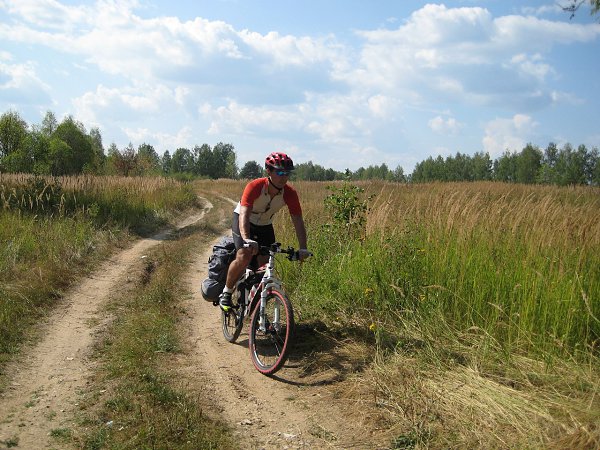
(279, 161)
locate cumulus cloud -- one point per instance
(110, 35)
(235, 118)
(317, 90)
(48, 14)
(291, 50)
(382, 106)
(532, 65)
(142, 101)
(19, 83)
(543, 10)
(508, 134)
(465, 53)
(445, 126)
(160, 139)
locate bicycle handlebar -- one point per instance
(293, 254)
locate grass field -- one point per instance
(489, 292)
(519, 264)
(480, 301)
(53, 229)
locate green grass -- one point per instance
(39, 257)
(523, 266)
(489, 293)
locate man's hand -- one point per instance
(303, 254)
(249, 243)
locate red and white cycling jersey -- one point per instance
(262, 206)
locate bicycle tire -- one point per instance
(269, 347)
(233, 320)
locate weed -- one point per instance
(63, 434)
(348, 210)
(11, 442)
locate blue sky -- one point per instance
(342, 83)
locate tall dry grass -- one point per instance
(139, 203)
(53, 229)
(520, 263)
(483, 302)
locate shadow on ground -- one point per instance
(321, 356)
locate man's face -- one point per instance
(279, 177)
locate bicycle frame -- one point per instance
(262, 297)
(268, 281)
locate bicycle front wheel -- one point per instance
(233, 320)
(271, 333)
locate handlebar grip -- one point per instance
(295, 256)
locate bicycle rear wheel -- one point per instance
(233, 320)
(270, 337)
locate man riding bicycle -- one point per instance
(253, 219)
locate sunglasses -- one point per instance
(282, 173)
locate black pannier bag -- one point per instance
(218, 263)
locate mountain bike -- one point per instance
(259, 294)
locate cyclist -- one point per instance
(253, 218)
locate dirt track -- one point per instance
(291, 410)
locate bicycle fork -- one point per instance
(263, 323)
(262, 318)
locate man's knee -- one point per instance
(244, 256)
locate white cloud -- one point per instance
(381, 106)
(46, 13)
(160, 139)
(331, 119)
(532, 65)
(20, 83)
(535, 35)
(449, 126)
(290, 50)
(543, 10)
(111, 36)
(235, 118)
(141, 101)
(508, 134)
(466, 55)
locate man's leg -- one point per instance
(238, 266)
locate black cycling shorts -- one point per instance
(263, 234)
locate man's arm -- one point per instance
(245, 222)
(298, 222)
(245, 227)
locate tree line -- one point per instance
(564, 166)
(67, 148)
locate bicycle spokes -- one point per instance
(232, 321)
(270, 333)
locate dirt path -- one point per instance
(291, 410)
(285, 411)
(46, 382)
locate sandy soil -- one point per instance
(294, 409)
